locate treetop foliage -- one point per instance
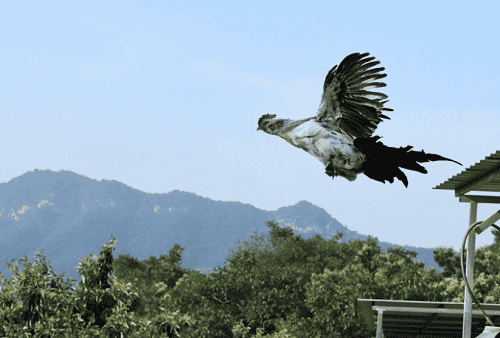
(287, 287)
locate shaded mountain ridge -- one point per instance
(71, 216)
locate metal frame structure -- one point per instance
(482, 176)
(402, 318)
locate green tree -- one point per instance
(100, 306)
(486, 272)
(287, 287)
(145, 274)
(313, 284)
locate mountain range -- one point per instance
(71, 216)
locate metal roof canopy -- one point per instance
(434, 319)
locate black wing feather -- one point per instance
(346, 102)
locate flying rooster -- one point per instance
(340, 135)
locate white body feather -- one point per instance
(327, 146)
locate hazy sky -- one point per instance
(163, 96)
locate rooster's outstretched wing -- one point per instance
(346, 104)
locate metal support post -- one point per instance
(471, 247)
(379, 323)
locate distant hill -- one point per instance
(71, 216)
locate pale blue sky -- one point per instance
(164, 96)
